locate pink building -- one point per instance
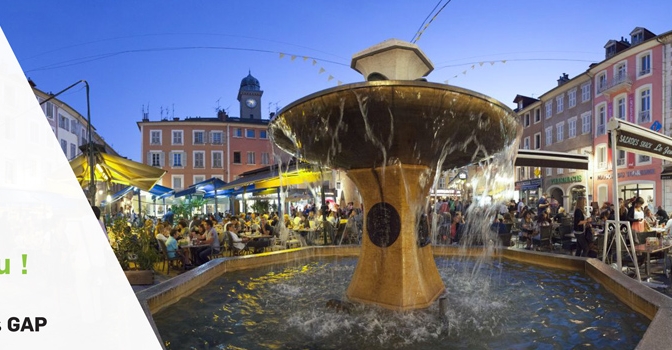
(628, 85)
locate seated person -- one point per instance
(172, 248)
(163, 234)
(211, 239)
(237, 243)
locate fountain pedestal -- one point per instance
(393, 270)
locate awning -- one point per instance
(156, 190)
(117, 170)
(206, 186)
(634, 138)
(547, 159)
(270, 177)
(666, 174)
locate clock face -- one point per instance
(250, 102)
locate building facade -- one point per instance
(195, 149)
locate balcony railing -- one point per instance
(644, 116)
(620, 162)
(644, 71)
(618, 82)
(601, 130)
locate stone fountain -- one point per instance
(391, 134)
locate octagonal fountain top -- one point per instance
(407, 120)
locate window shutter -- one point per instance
(149, 158)
(170, 159)
(162, 157)
(184, 159)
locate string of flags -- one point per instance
(313, 63)
(473, 66)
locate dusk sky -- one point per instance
(191, 56)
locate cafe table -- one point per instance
(662, 246)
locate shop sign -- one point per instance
(531, 184)
(566, 179)
(643, 145)
(623, 174)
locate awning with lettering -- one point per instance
(640, 140)
(666, 174)
(547, 159)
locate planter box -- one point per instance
(137, 277)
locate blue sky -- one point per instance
(191, 56)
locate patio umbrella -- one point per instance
(109, 168)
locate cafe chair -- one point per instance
(545, 235)
(166, 260)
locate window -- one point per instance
(236, 158)
(602, 195)
(263, 134)
(537, 115)
(177, 159)
(560, 132)
(216, 137)
(155, 137)
(644, 62)
(571, 128)
(199, 159)
(250, 158)
(549, 171)
(559, 171)
(73, 150)
(637, 38)
(621, 158)
(559, 102)
(49, 110)
(73, 126)
(265, 159)
(199, 137)
(601, 156)
(585, 123)
(63, 122)
(585, 92)
(527, 120)
(217, 159)
(643, 159)
(526, 143)
(549, 136)
(442, 182)
(250, 134)
(549, 109)
(199, 178)
(237, 132)
(620, 73)
(64, 147)
(601, 121)
(177, 137)
(645, 106)
(156, 159)
(537, 140)
(177, 181)
(601, 82)
(620, 108)
(571, 98)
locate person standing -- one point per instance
(581, 221)
(168, 216)
(542, 204)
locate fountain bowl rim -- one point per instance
(392, 83)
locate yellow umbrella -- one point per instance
(109, 168)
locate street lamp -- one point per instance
(92, 182)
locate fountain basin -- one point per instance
(651, 304)
(369, 124)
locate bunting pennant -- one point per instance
(330, 77)
(481, 64)
(445, 81)
(282, 55)
(305, 58)
(339, 83)
(472, 66)
(503, 61)
(314, 62)
(492, 63)
(321, 70)
(293, 58)
(465, 72)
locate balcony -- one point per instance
(618, 83)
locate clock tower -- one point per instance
(249, 97)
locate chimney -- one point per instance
(176, 119)
(563, 79)
(221, 115)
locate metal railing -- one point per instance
(616, 82)
(645, 116)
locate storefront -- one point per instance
(529, 190)
(639, 182)
(566, 190)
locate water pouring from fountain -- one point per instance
(391, 135)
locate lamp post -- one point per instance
(92, 178)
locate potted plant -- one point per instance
(136, 251)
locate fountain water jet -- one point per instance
(390, 136)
